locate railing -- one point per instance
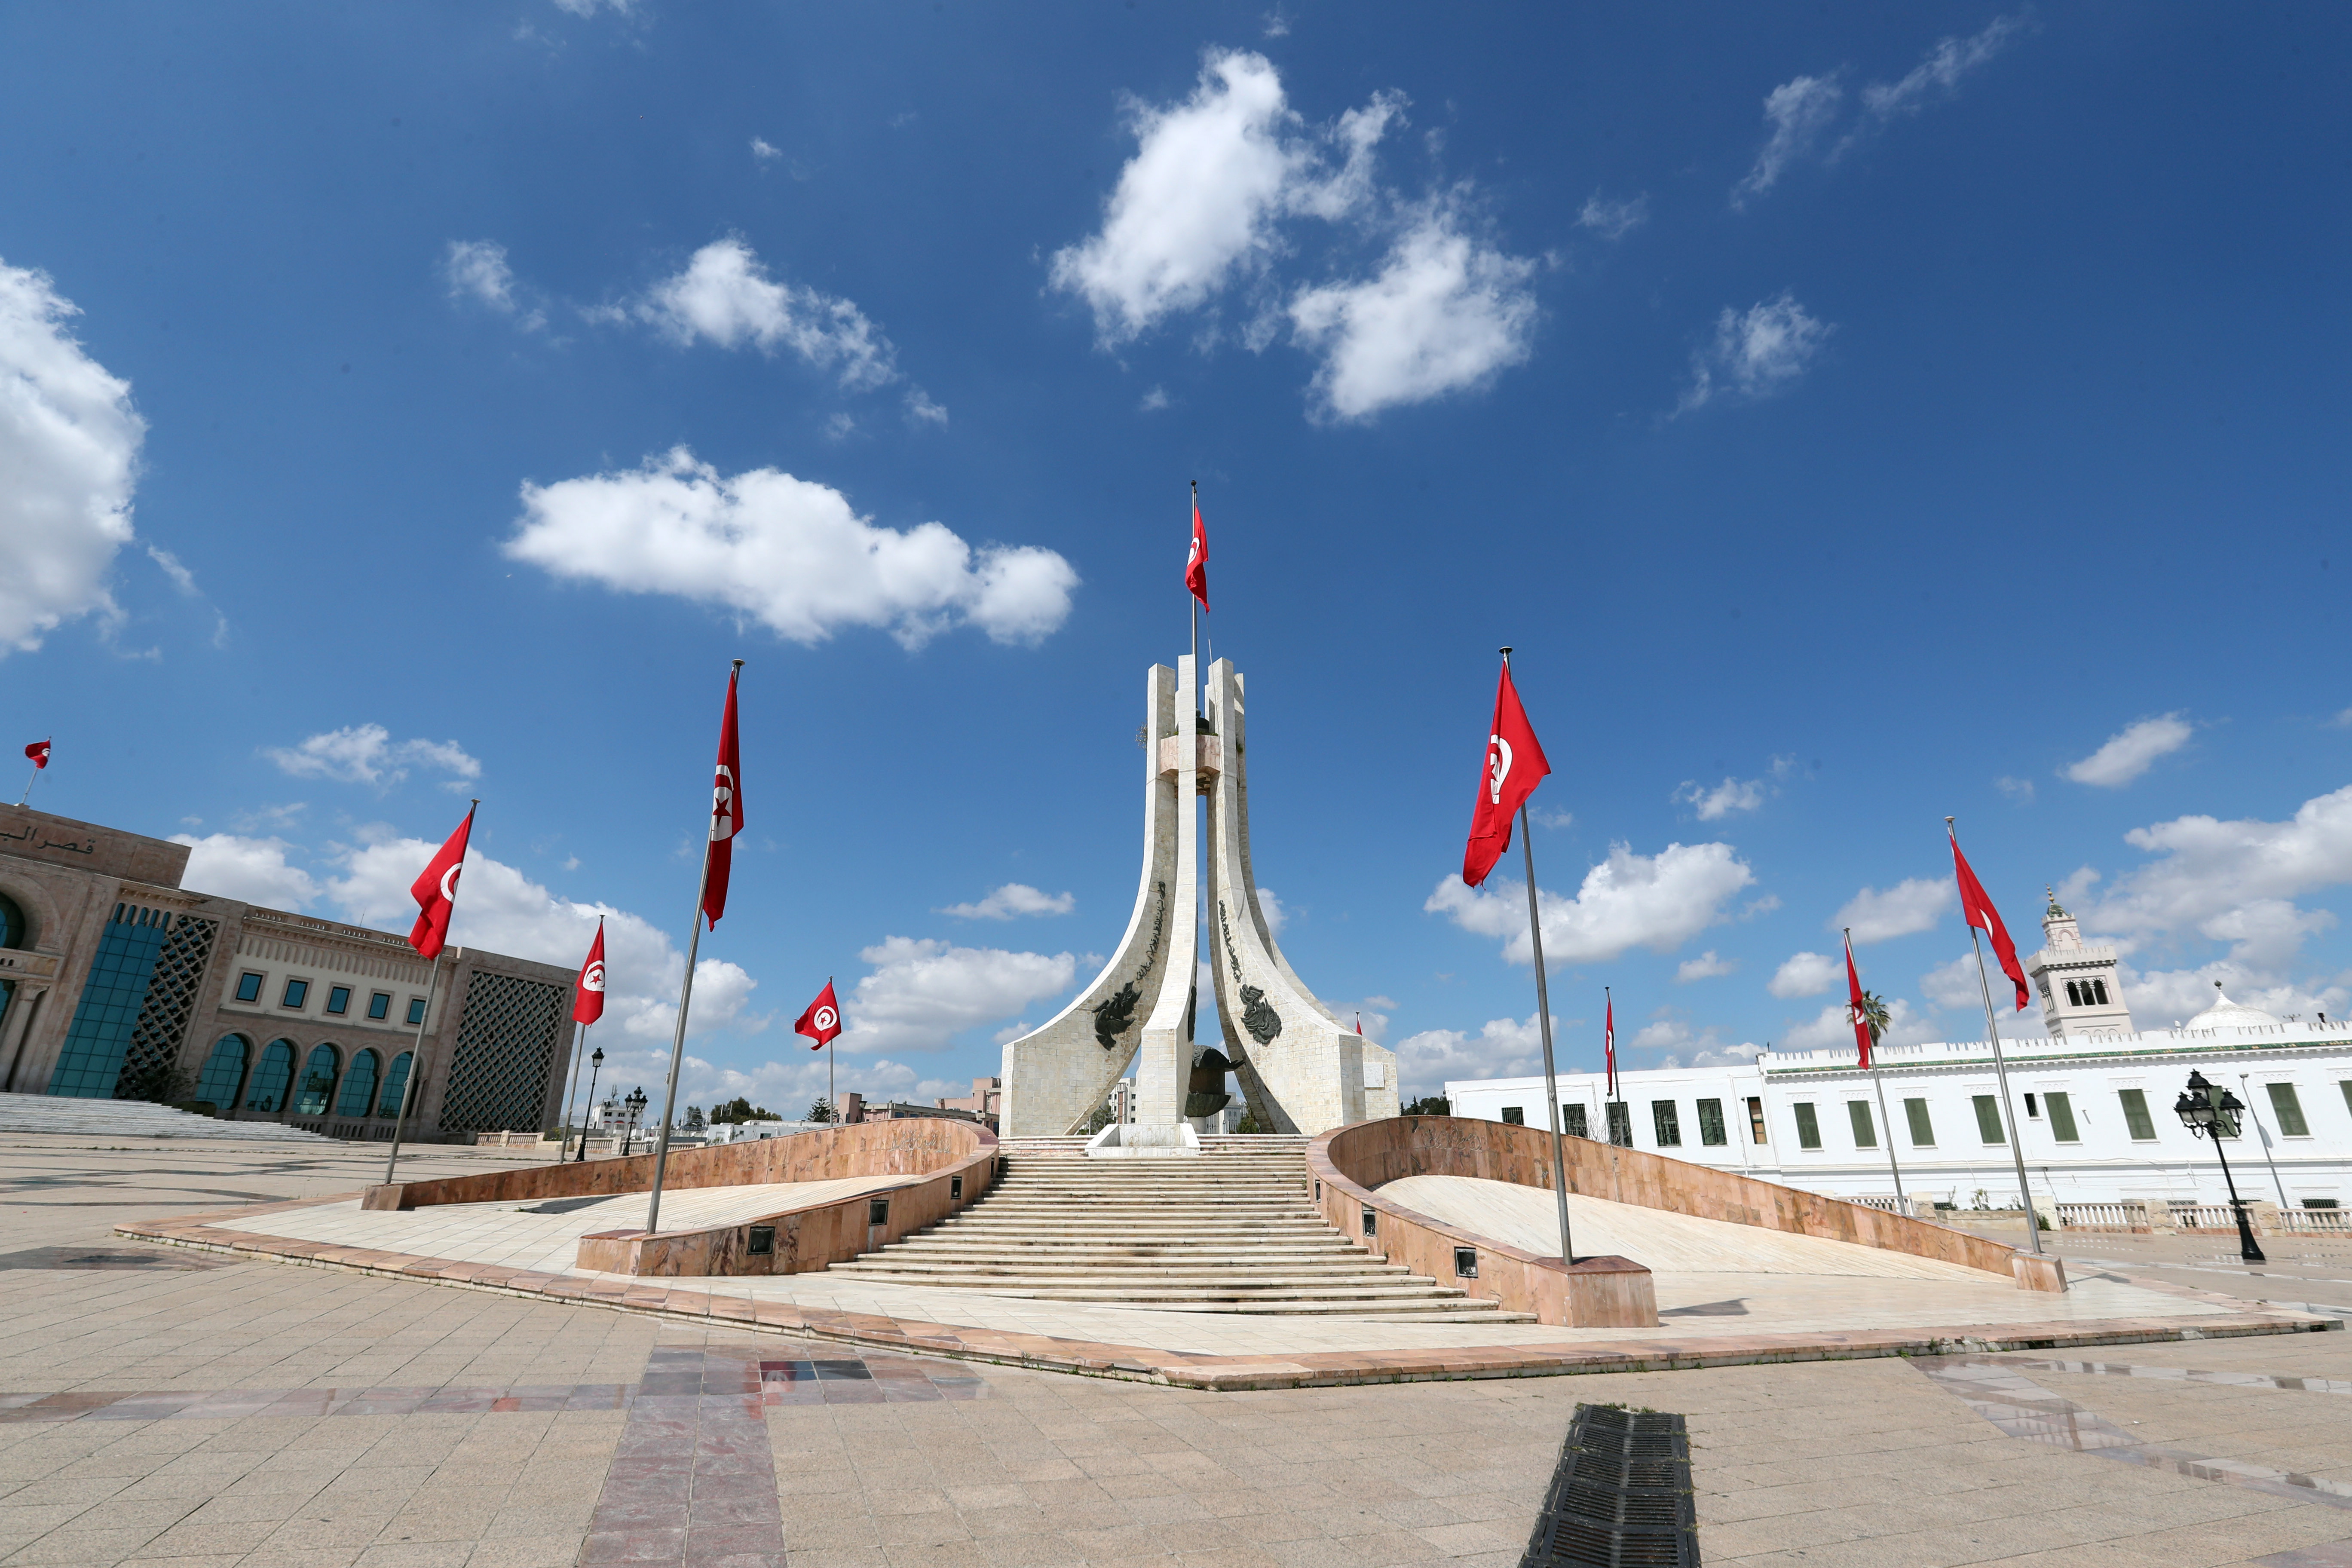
(1888, 1205)
(2204, 1216)
(2315, 1222)
(2103, 1217)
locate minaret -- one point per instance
(2080, 993)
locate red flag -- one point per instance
(39, 752)
(1514, 766)
(588, 994)
(435, 892)
(1196, 564)
(1855, 1011)
(822, 1022)
(726, 811)
(1977, 911)
(1609, 1044)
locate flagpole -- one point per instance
(1543, 1019)
(2001, 1073)
(833, 1103)
(21, 799)
(579, 1043)
(678, 1042)
(432, 982)
(1877, 1083)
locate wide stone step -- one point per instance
(1090, 1268)
(1145, 1291)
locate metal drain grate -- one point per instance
(1621, 1497)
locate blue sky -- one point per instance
(1853, 414)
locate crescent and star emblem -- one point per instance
(449, 883)
(826, 1018)
(1499, 767)
(722, 799)
(593, 978)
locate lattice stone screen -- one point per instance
(171, 993)
(507, 1041)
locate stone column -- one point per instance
(1163, 1069)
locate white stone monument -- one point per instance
(1301, 1070)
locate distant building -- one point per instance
(116, 983)
(985, 1101)
(757, 1131)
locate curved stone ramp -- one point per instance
(1661, 1241)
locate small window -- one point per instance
(1865, 1131)
(762, 1242)
(1578, 1127)
(1923, 1131)
(1668, 1123)
(2319, 1203)
(955, 1189)
(1809, 1126)
(380, 1006)
(1988, 1126)
(249, 989)
(416, 1009)
(1371, 1224)
(2289, 1110)
(1756, 1118)
(877, 1211)
(1621, 1124)
(2101, 987)
(2033, 1108)
(1515, 1116)
(2062, 1118)
(2136, 1119)
(339, 1000)
(297, 992)
(1710, 1123)
(2073, 995)
(1465, 1263)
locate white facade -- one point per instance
(756, 1132)
(2095, 1109)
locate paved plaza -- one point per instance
(164, 1404)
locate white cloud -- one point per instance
(1698, 1049)
(366, 753)
(252, 870)
(2018, 790)
(765, 150)
(924, 992)
(1270, 905)
(477, 270)
(1628, 900)
(1705, 966)
(70, 444)
(590, 7)
(182, 578)
(2161, 998)
(1197, 205)
(2130, 752)
(1914, 904)
(724, 296)
(1806, 974)
(1757, 354)
(1613, 220)
(1504, 1048)
(1013, 899)
(1938, 73)
(788, 551)
(1732, 795)
(1798, 110)
(1831, 1027)
(1153, 401)
(1373, 1013)
(922, 410)
(1446, 312)
(1953, 988)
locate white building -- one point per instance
(2094, 1101)
(757, 1131)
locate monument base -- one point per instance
(1130, 1141)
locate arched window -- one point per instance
(318, 1081)
(2074, 994)
(12, 934)
(396, 1083)
(223, 1073)
(359, 1086)
(2101, 986)
(271, 1076)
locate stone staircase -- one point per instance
(1230, 1231)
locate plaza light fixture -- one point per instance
(595, 1066)
(637, 1104)
(2209, 1110)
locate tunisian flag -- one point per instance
(1514, 766)
(588, 993)
(823, 1019)
(1855, 1009)
(435, 892)
(726, 811)
(1609, 1044)
(1196, 564)
(39, 752)
(1977, 911)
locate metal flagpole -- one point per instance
(34, 774)
(579, 1045)
(416, 1063)
(830, 1101)
(678, 1042)
(2001, 1073)
(1543, 1019)
(1903, 1205)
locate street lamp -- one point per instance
(595, 1066)
(2210, 1111)
(637, 1104)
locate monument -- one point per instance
(1301, 1070)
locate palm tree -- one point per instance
(1874, 1013)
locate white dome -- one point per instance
(2226, 1014)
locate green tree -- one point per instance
(821, 1110)
(694, 1122)
(1430, 1105)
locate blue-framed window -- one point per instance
(271, 1077)
(339, 1000)
(416, 1009)
(380, 1004)
(359, 1086)
(319, 1075)
(249, 986)
(395, 1083)
(297, 992)
(101, 1033)
(223, 1072)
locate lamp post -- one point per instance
(637, 1104)
(2210, 1111)
(595, 1066)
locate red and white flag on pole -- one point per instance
(822, 1022)
(1609, 1044)
(1196, 564)
(39, 751)
(1977, 910)
(435, 892)
(726, 811)
(1514, 766)
(1856, 1009)
(588, 993)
